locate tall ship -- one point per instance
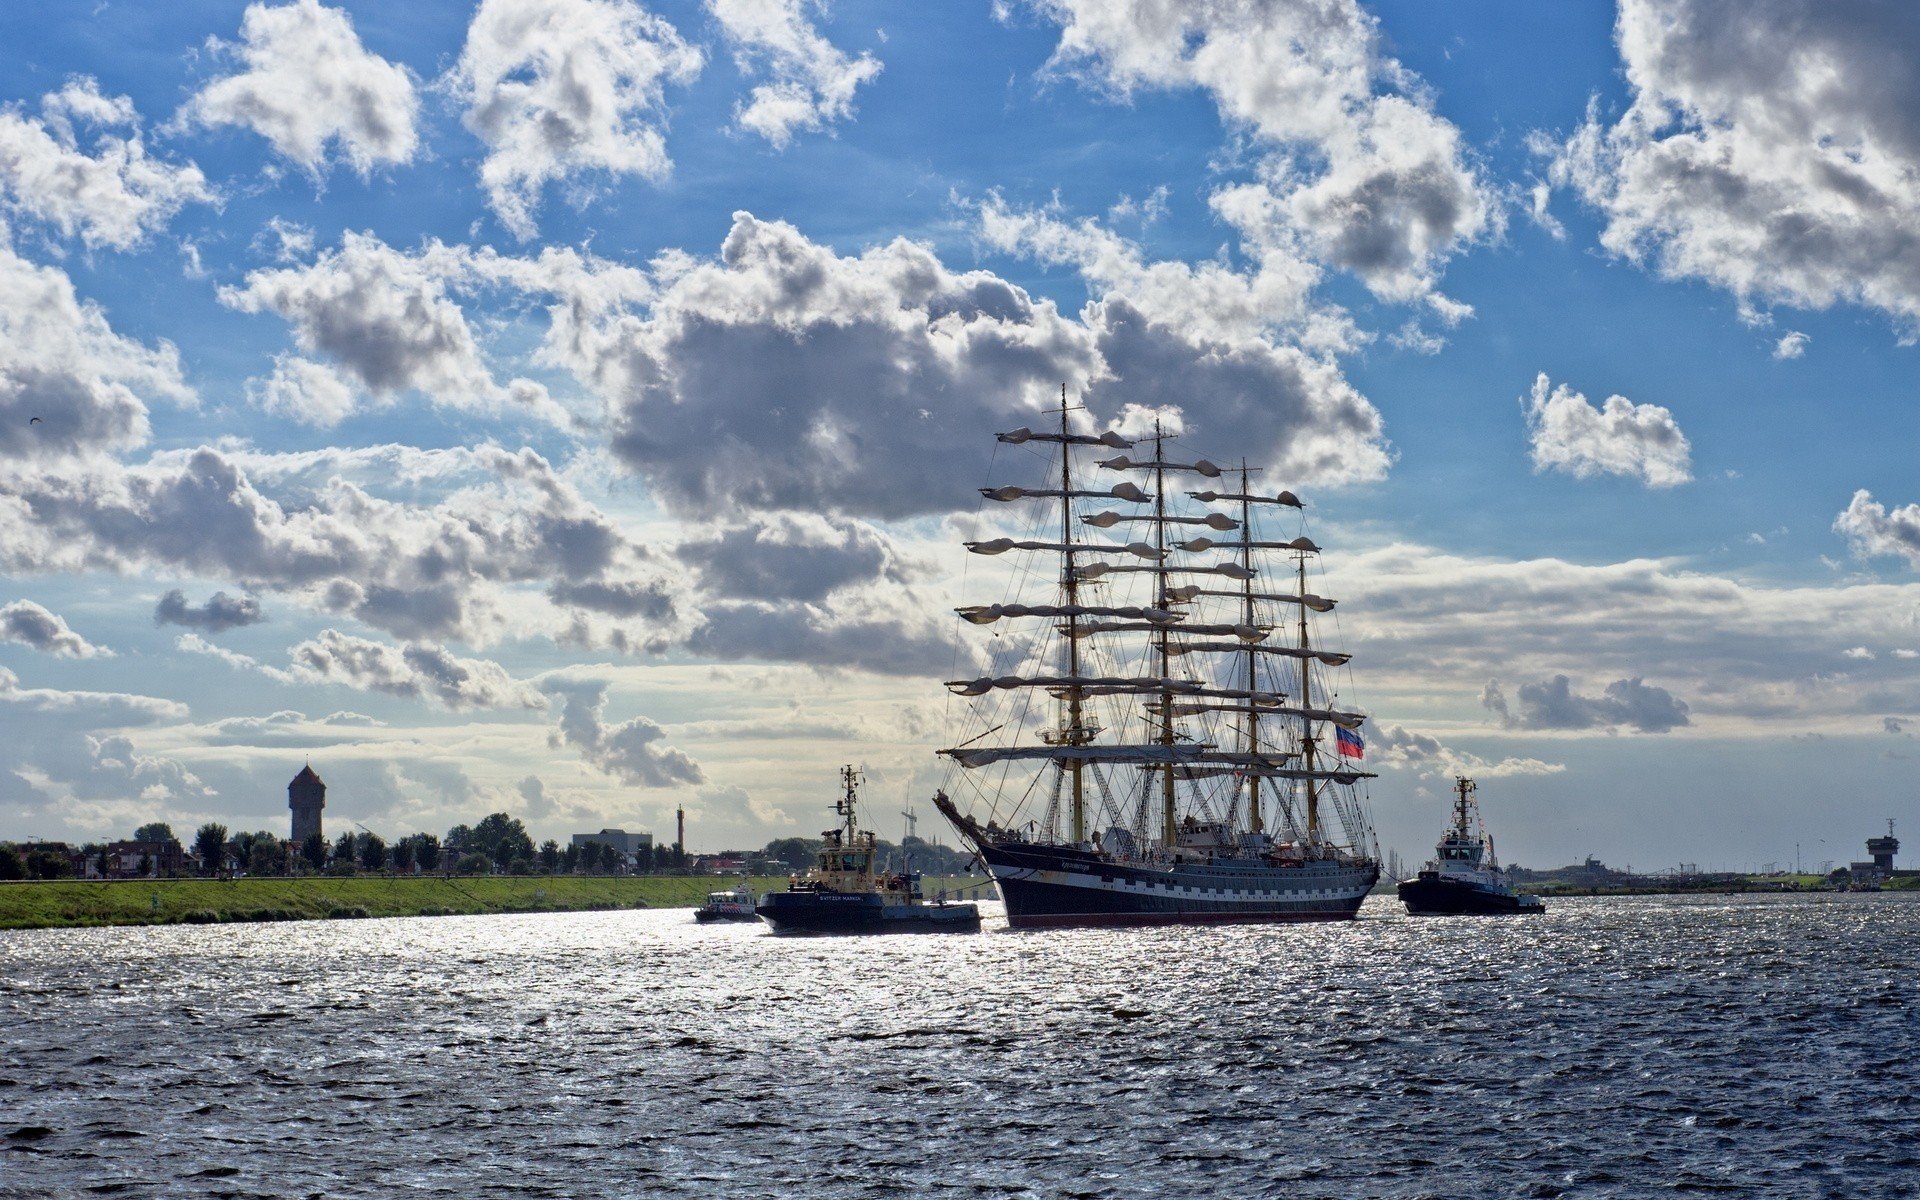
(1464, 878)
(848, 891)
(1156, 740)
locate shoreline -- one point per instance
(82, 904)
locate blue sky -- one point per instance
(503, 470)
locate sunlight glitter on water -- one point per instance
(1614, 1047)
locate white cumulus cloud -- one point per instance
(633, 751)
(1619, 438)
(1772, 148)
(1875, 531)
(82, 167)
(309, 83)
(1357, 165)
(811, 81)
(559, 88)
(29, 624)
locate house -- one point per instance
(125, 859)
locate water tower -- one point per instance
(306, 796)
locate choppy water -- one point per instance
(1616, 1047)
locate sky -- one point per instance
(573, 407)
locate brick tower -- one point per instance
(306, 796)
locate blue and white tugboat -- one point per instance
(1464, 878)
(844, 892)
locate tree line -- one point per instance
(497, 844)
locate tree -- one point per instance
(550, 855)
(265, 855)
(48, 864)
(144, 867)
(475, 863)
(501, 837)
(154, 831)
(314, 850)
(343, 849)
(426, 848)
(570, 859)
(12, 866)
(403, 854)
(373, 852)
(210, 843)
(798, 853)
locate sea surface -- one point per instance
(1749, 1046)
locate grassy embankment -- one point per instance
(68, 903)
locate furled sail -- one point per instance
(1287, 498)
(1220, 521)
(1119, 491)
(1206, 543)
(1121, 462)
(1249, 633)
(1231, 570)
(1332, 658)
(987, 614)
(1110, 438)
(1002, 545)
(1114, 684)
(1316, 603)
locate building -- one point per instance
(1882, 850)
(140, 860)
(628, 844)
(306, 796)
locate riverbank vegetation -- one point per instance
(74, 903)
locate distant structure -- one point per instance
(1882, 849)
(680, 837)
(629, 844)
(306, 796)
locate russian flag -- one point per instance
(1347, 743)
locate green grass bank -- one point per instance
(69, 904)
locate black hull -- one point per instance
(1442, 898)
(1058, 887)
(802, 912)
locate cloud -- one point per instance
(220, 613)
(1772, 148)
(309, 83)
(69, 385)
(1872, 531)
(632, 751)
(1793, 345)
(417, 672)
(1243, 349)
(1423, 754)
(557, 88)
(1621, 438)
(1354, 164)
(1553, 704)
(811, 81)
(112, 195)
(386, 322)
(792, 556)
(420, 571)
(27, 623)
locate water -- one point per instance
(1615, 1047)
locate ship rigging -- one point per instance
(1185, 761)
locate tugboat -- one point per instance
(843, 893)
(736, 905)
(1464, 878)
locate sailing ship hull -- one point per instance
(1047, 888)
(1452, 898)
(862, 912)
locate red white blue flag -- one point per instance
(1347, 744)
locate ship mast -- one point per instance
(1306, 722)
(1073, 734)
(1169, 830)
(1247, 616)
(1463, 787)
